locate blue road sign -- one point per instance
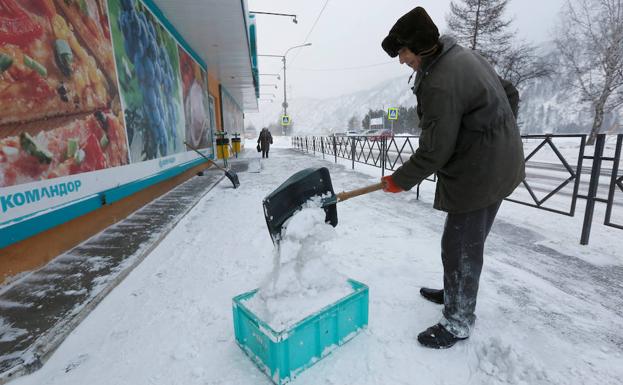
(392, 113)
(285, 120)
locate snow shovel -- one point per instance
(232, 176)
(288, 198)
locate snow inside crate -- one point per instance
(284, 354)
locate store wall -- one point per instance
(92, 111)
(39, 249)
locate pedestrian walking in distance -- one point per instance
(265, 140)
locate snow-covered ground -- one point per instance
(550, 311)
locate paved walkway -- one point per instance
(39, 310)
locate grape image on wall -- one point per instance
(148, 72)
(196, 102)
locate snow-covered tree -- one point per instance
(522, 63)
(480, 25)
(590, 40)
(353, 123)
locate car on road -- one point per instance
(347, 133)
(378, 134)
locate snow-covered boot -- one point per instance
(437, 337)
(433, 295)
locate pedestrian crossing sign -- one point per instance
(392, 113)
(285, 120)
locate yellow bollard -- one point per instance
(222, 146)
(235, 144)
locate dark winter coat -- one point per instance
(469, 132)
(265, 139)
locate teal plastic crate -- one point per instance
(283, 355)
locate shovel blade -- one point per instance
(233, 177)
(289, 198)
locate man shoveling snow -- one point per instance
(471, 140)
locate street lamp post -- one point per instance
(285, 99)
(283, 58)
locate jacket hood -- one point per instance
(447, 43)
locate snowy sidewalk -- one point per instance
(549, 312)
(38, 310)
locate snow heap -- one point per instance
(302, 280)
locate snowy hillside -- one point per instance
(313, 116)
(545, 107)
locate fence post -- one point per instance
(592, 188)
(314, 144)
(613, 178)
(322, 146)
(578, 175)
(306, 146)
(383, 145)
(352, 151)
(335, 148)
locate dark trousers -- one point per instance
(462, 246)
(264, 153)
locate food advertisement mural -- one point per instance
(59, 103)
(196, 102)
(94, 94)
(149, 81)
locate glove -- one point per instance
(389, 185)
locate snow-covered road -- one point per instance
(550, 311)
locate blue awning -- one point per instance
(219, 32)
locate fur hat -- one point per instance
(414, 30)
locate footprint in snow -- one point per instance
(76, 362)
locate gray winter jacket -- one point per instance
(469, 132)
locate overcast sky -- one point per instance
(348, 34)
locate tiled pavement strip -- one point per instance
(40, 309)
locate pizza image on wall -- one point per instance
(90, 21)
(60, 111)
(93, 142)
(44, 69)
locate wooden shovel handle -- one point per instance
(344, 195)
(205, 157)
